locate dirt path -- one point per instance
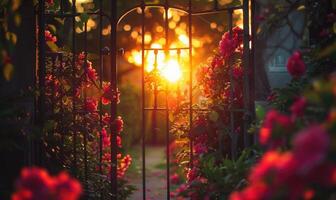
(155, 173)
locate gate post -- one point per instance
(114, 146)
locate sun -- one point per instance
(172, 71)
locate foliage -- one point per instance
(78, 106)
(73, 96)
(299, 162)
(218, 164)
(298, 132)
(8, 15)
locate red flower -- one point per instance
(109, 95)
(119, 124)
(237, 72)
(91, 105)
(217, 62)
(106, 119)
(273, 120)
(298, 107)
(67, 188)
(192, 174)
(50, 2)
(256, 191)
(91, 72)
(49, 37)
(105, 138)
(310, 147)
(200, 148)
(36, 184)
(295, 65)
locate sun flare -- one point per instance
(172, 71)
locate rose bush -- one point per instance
(215, 171)
(78, 111)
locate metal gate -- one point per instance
(68, 12)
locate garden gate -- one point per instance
(68, 13)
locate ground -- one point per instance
(155, 173)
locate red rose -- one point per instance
(295, 65)
(298, 107)
(91, 105)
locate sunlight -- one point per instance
(172, 71)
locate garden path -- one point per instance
(155, 173)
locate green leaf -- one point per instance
(260, 112)
(53, 47)
(8, 71)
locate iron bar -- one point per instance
(252, 63)
(41, 62)
(154, 113)
(206, 12)
(113, 56)
(246, 62)
(101, 70)
(86, 112)
(191, 164)
(143, 125)
(170, 49)
(166, 25)
(74, 84)
(232, 118)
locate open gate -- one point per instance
(107, 49)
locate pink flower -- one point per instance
(226, 45)
(175, 179)
(295, 65)
(200, 149)
(298, 107)
(310, 147)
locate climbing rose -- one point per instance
(91, 72)
(226, 46)
(91, 105)
(295, 65)
(119, 124)
(105, 138)
(49, 37)
(109, 95)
